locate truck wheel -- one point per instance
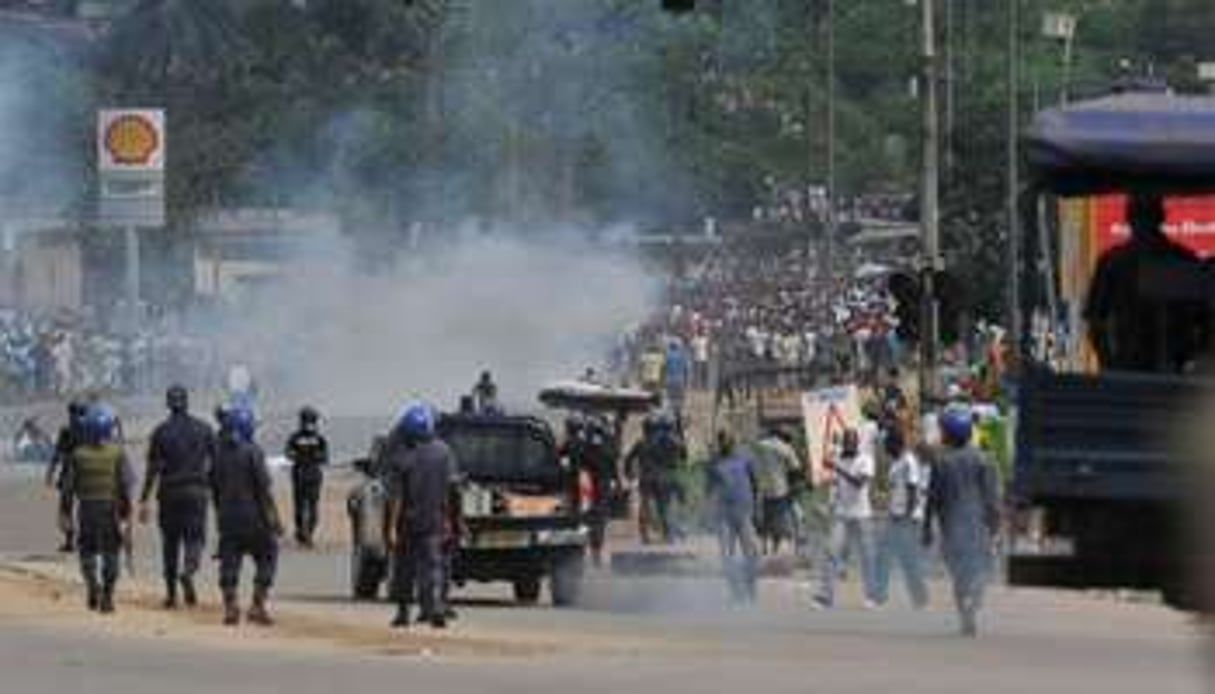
(366, 574)
(527, 591)
(566, 581)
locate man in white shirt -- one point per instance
(700, 359)
(851, 519)
(908, 484)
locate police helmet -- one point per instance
(98, 423)
(957, 425)
(177, 398)
(417, 421)
(309, 416)
(76, 410)
(241, 422)
(221, 415)
(575, 424)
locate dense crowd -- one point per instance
(48, 356)
(740, 310)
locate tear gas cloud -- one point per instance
(356, 343)
(41, 103)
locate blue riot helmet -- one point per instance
(957, 425)
(417, 422)
(98, 423)
(240, 422)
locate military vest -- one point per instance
(96, 472)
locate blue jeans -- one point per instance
(901, 543)
(739, 547)
(847, 533)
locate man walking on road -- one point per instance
(422, 487)
(100, 480)
(851, 519)
(247, 516)
(908, 485)
(964, 501)
(308, 452)
(731, 487)
(180, 454)
(70, 436)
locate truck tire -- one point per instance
(527, 591)
(566, 582)
(366, 574)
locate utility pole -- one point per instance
(930, 213)
(1014, 171)
(832, 222)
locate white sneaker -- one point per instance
(871, 605)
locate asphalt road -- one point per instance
(672, 635)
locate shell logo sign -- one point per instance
(131, 140)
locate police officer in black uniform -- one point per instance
(423, 490)
(179, 464)
(654, 463)
(100, 480)
(247, 516)
(596, 455)
(308, 452)
(69, 438)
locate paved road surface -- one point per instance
(662, 635)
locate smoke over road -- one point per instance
(360, 344)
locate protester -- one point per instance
(964, 503)
(850, 526)
(907, 482)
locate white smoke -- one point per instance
(360, 344)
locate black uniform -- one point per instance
(421, 479)
(67, 441)
(308, 452)
(179, 465)
(245, 512)
(595, 454)
(654, 462)
(99, 478)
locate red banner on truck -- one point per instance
(1190, 222)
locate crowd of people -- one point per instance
(737, 311)
(46, 356)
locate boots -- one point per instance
(188, 594)
(106, 604)
(170, 602)
(94, 596)
(401, 620)
(231, 609)
(257, 613)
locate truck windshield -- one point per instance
(493, 455)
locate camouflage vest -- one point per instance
(96, 472)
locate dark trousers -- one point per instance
(67, 512)
(420, 571)
(306, 501)
(183, 534)
(100, 542)
(261, 546)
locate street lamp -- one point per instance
(1061, 26)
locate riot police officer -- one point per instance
(308, 452)
(423, 493)
(179, 463)
(69, 438)
(653, 463)
(596, 457)
(247, 516)
(100, 481)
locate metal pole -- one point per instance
(133, 270)
(930, 214)
(832, 222)
(1068, 48)
(1014, 170)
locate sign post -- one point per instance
(131, 194)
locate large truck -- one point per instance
(1101, 471)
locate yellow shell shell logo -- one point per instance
(131, 140)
